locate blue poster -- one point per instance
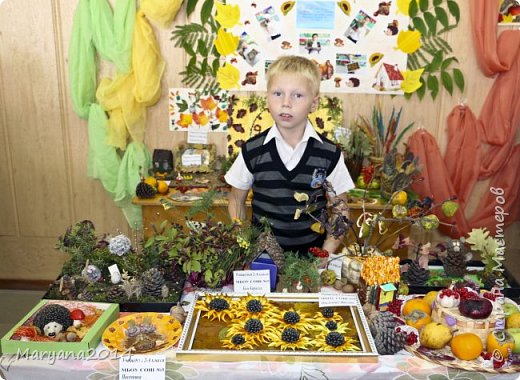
(315, 14)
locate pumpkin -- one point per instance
(417, 319)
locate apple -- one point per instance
(515, 333)
(476, 308)
(510, 308)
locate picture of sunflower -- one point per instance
(289, 338)
(328, 314)
(325, 326)
(334, 341)
(216, 306)
(238, 342)
(295, 319)
(254, 330)
(254, 307)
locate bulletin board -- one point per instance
(353, 43)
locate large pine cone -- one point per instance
(386, 339)
(455, 264)
(153, 282)
(144, 190)
(417, 275)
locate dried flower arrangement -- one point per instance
(110, 269)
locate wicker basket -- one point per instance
(461, 324)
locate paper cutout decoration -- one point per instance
(195, 108)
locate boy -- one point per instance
(287, 158)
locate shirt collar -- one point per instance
(309, 132)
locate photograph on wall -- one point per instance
(359, 27)
(509, 12)
(190, 108)
(249, 50)
(314, 44)
(355, 50)
(270, 23)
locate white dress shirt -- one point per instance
(240, 177)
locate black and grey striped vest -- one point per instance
(274, 186)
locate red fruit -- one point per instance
(476, 308)
(77, 314)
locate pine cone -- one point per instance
(417, 275)
(389, 342)
(489, 280)
(116, 294)
(455, 261)
(144, 190)
(386, 339)
(267, 242)
(86, 295)
(153, 282)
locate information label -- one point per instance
(191, 159)
(142, 367)
(197, 135)
(252, 281)
(336, 299)
(335, 263)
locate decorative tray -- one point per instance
(209, 335)
(445, 357)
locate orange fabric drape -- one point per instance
(483, 148)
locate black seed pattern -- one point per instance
(291, 317)
(253, 325)
(218, 304)
(290, 335)
(238, 340)
(335, 339)
(327, 312)
(331, 325)
(254, 306)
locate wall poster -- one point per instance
(353, 43)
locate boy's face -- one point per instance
(290, 100)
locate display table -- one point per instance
(400, 366)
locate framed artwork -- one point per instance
(509, 12)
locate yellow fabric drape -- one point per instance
(161, 11)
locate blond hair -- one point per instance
(293, 64)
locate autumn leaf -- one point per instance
(411, 82)
(222, 115)
(228, 77)
(185, 120)
(208, 104)
(201, 118)
(301, 197)
(226, 43)
(402, 6)
(227, 15)
(409, 41)
(316, 227)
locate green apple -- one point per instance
(515, 333)
(510, 308)
(360, 182)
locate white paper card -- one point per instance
(197, 135)
(142, 367)
(335, 263)
(252, 281)
(336, 299)
(192, 159)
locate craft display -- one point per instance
(110, 269)
(60, 326)
(142, 333)
(232, 327)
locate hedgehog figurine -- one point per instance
(52, 320)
